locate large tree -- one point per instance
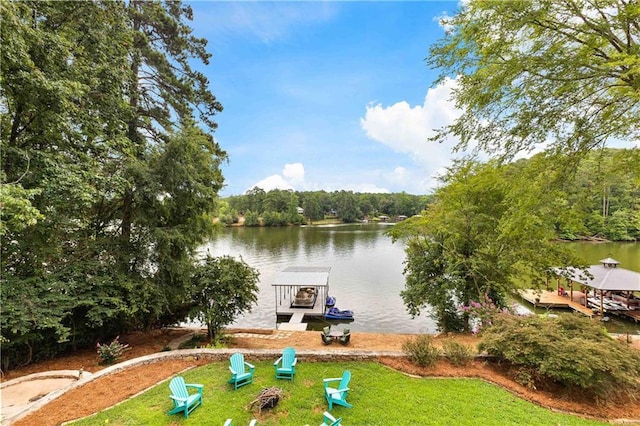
(488, 228)
(108, 152)
(535, 72)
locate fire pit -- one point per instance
(268, 398)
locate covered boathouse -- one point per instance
(301, 291)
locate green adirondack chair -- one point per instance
(338, 396)
(329, 420)
(286, 365)
(326, 337)
(346, 336)
(239, 374)
(182, 400)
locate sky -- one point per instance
(327, 95)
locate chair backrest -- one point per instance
(288, 356)
(346, 376)
(237, 363)
(326, 330)
(346, 331)
(178, 387)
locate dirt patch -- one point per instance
(105, 392)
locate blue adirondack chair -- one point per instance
(239, 374)
(329, 420)
(182, 400)
(286, 365)
(338, 396)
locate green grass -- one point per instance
(380, 396)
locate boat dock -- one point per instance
(300, 292)
(551, 299)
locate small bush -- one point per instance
(112, 352)
(457, 353)
(421, 351)
(195, 341)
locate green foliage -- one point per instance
(251, 218)
(574, 351)
(223, 289)
(422, 351)
(457, 353)
(487, 225)
(108, 184)
(374, 394)
(112, 352)
(532, 73)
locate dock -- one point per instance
(295, 323)
(551, 299)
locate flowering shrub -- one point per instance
(111, 352)
(482, 313)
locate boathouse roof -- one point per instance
(607, 276)
(306, 276)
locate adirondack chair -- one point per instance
(329, 420)
(239, 375)
(346, 336)
(182, 400)
(338, 396)
(286, 365)
(326, 336)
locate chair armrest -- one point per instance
(232, 371)
(277, 361)
(332, 380)
(294, 362)
(194, 385)
(251, 366)
(178, 398)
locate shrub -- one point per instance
(112, 352)
(575, 352)
(457, 353)
(421, 351)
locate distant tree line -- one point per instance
(282, 207)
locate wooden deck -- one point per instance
(551, 299)
(634, 314)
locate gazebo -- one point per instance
(603, 278)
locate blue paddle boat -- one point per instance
(337, 314)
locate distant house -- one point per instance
(300, 210)
(400, 218)
(383, 218)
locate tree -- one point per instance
(563, 72)
(488, 226)
(224, 288)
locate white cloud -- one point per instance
(294, 173)
(272, 182)
(406, 129)
(292, 177)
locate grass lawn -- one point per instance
(380, 396)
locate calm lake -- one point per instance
(366, 270)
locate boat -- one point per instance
(305, 298)
(335, 313)
(330, 302)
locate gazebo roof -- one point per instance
(306, 276)
(609, 261)
(606, 278)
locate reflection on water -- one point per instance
(366, 270)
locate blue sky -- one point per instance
(327, 95)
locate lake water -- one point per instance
(366, 269)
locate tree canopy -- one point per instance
(110, 171)
(557, 74)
